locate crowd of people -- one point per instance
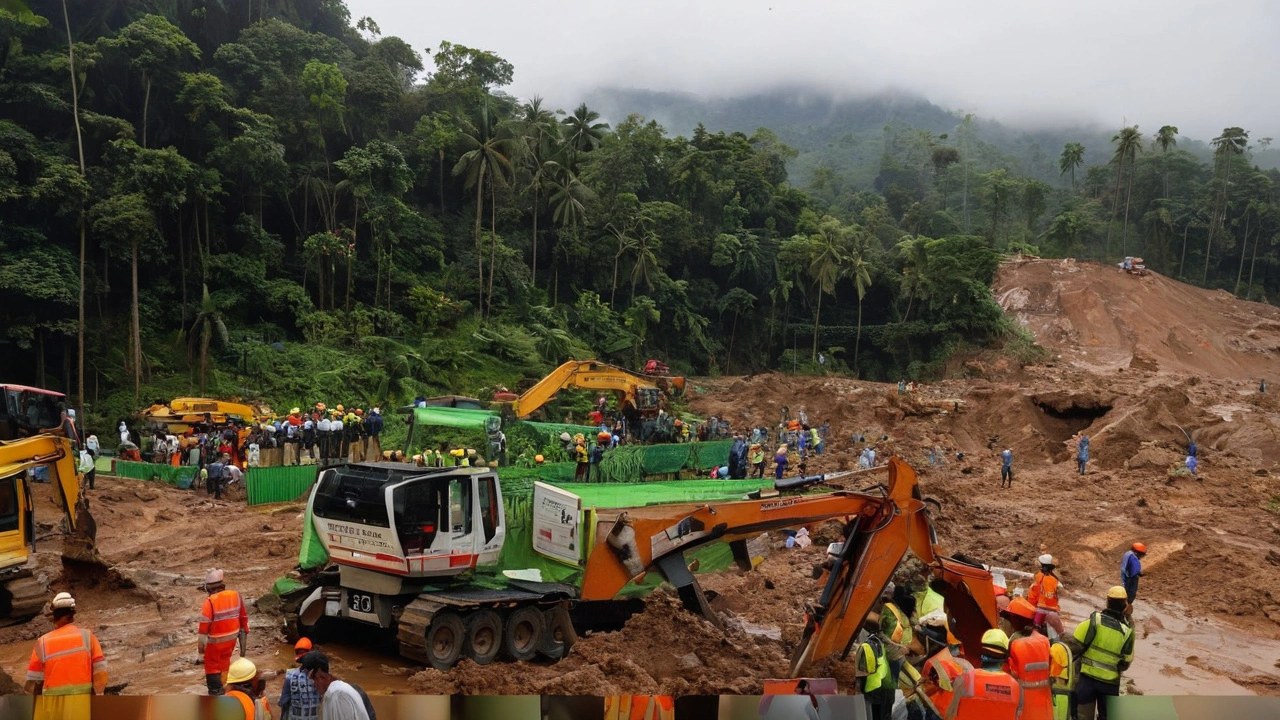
(1029, 668)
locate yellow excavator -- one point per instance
(22, 594)
(637, 393)
(181, 413)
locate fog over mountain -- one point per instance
(1201, 65)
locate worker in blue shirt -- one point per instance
(1131, 569)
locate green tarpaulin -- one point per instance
(180, 476)
(312, 553)
(279, 484)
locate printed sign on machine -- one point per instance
(556, 519)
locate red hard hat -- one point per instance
(1139, 547)
(1021, 607)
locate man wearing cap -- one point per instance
(67, 666)
(1029, 660)
(223, 622)
(987, 693)
(299, 700)
(1107, 640)
(246, 685)
(339, 700)
(1044, 591)
(1131, 570)
(878, 684)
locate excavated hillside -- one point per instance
(1098, 317)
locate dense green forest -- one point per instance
(271, 199)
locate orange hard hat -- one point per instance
(1021, 607)
(303, 645)
(1139, 547)
(359, 411)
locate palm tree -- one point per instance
(208, 321)
(861, 281)
(915, 280)
(75, 113)
(738, 301)
(1166, 137)
(1072, 158)
(1226, 147)
(646, 259)
(487, 158)
(582, 132)
(827, 264)
(625, 235)
(539, 133)
(1128, 145)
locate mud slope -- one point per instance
(1098, 317)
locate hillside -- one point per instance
(1097, 317)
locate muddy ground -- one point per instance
(1208, 613)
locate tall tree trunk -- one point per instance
(733, 332)
(816, 316)
(1128, 195)
(479, 252)
(1253, 264)
(1244, 247)
(534, 265)
(205, 331)
(613, 293)
(182, 266)
(493, 242)
(351, 251)
(137, 324)
(911, 298)
(40, 374)
(75, 114)
(146, 108)
(857, 343)
(1183, 262)
(442, 183)
(1215, 221)
(1115, 204)
(1073, 177)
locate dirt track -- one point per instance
(1208, 612)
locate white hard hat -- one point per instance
(71, 413)
(376, 410)
(1047, 559)
(63, 600)
(213, 577)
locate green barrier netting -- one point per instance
(555, 429)
(452, 417)
(180, 476)
(312, 553)
(623, 495)
(279, 484)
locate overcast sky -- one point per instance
(1198, 64)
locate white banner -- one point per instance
(557, 516)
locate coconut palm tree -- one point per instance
(1128, 144)
(915, 278)
(858, 269)
(828, 261)
(539, 134)
(1072, 158)
(1226, 147)
(487, 158)
(582, 132)
(1166, 137)
(208, 321)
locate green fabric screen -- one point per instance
(311, 554)
(180, 476)
(279, 484)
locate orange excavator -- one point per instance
(881, 527)
(642, 393)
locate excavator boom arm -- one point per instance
(56, 453)
(586, 374)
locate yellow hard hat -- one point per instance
(340, 409)
(242, 670)
(457, 452)
(995, 639)
(538, 458)
(1117, 592)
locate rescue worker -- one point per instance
(324, 433)
(583, 460)
(1006, 467)
(299, 699)
(1107, 640)
(878, 685)
(1029, 661)
(639, 707)
(895, 628)
(67, 666)
(223, 622)
(373, 426)
(1062, 679)
(987, 693)
(1043, 594)
(940, 673)
(1131, 570)
(246, 686)
(1082, 453)
(337, 435)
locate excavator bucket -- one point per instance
(81, 543)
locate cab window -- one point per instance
(487, 494)
(460, 506)
(9, 503)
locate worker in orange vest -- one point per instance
(941, 671)
(246, 685)
(1044, 591)
(1029, 661)
(988, 693)
(67, 666)
(223, 622)
(639, 707)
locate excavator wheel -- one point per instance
(484, 636)
(560, 635)
(523, 635)
(21, 599)
(445, 639)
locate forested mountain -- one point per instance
(272, 199)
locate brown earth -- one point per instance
(1208, 610)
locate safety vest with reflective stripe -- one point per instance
(942, 670)
(1029, 664)
(223, 617)
(1062, 679)
(912, 686)
(253, 709)
(927, 602)
(986, 695)
(1108, 641)
(1044, 592)
(876, 664)
(897, 639)
(640, 707)
(63, 661)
